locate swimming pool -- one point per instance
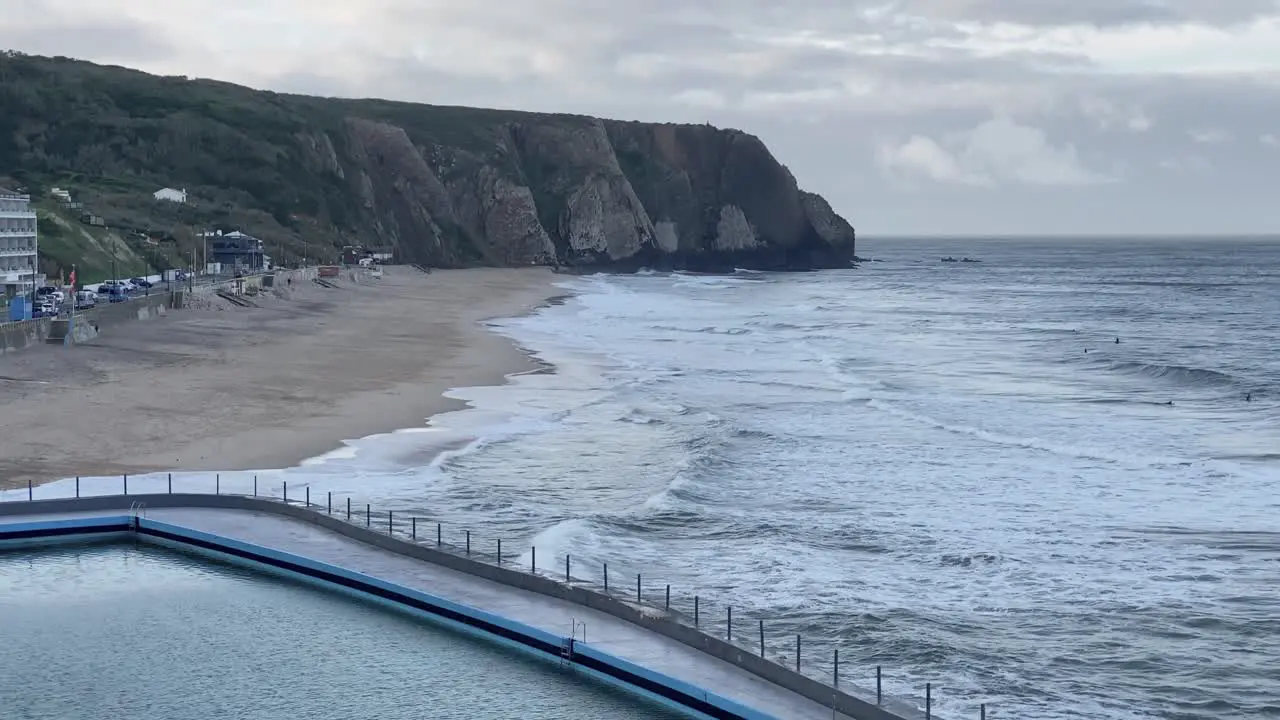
(125, 630)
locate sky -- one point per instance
(958, 117)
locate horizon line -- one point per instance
(1082, 236)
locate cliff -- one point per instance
(441, 186)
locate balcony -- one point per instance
(16, 251)
(13, 277)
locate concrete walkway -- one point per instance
(610, 634)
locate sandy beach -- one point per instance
(226, 388)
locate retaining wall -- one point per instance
(23, 334)
(140, 308)
(775, 673)
(690, 699)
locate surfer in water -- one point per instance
(1117, 341)
(1248, 397)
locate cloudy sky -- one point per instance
(910, 116)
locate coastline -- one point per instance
(231, 389)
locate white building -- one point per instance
(171, 195)
(19, 267)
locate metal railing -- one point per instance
(815, 658)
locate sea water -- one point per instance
(950, 470)
(131, 631)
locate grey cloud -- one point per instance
(874, 80)
(41, 27)
(1094, 12)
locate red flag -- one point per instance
(73, 279)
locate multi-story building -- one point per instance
(238, 251)
(19, 264)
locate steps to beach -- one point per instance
(236, 299)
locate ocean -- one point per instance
(1045, 481)
(951, 469)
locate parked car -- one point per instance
(50, 293)
(86, 299)
(142, 283)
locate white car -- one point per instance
(52, 294)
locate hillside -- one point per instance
(443, 186)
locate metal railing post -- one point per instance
(668, 596)
(391, 526)
(637, 587)
(728, 624)
(413, 528)
(928, 701)
(329, 503)
(695, 611)
(77, 486)
(468, 543)
(567, 577)
(348, 509)
(255, 486)
(499, 551)
(606, 578)
(170, 483)
(126, 484)
(879, 687)
(762, 638)
(797, 652)
(439, 535)
(217, 483)
(835, 669)
(31, 496)
(982, 711)
(533, 560)
(368, 515)
(307, 496)
(285, 484)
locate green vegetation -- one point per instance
(272, 165)
(93, 251)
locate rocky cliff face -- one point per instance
(591, 194)
(443, 186)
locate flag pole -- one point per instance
(71, 297)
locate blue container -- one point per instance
(19, 309)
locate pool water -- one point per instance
(134, 631)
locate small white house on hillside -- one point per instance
(171, 195)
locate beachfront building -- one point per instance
(237, 250)
(19, 264)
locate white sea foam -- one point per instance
(915, 462)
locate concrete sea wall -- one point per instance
(689, 699)
(23, 334)
(86, 324)
(775, 673)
